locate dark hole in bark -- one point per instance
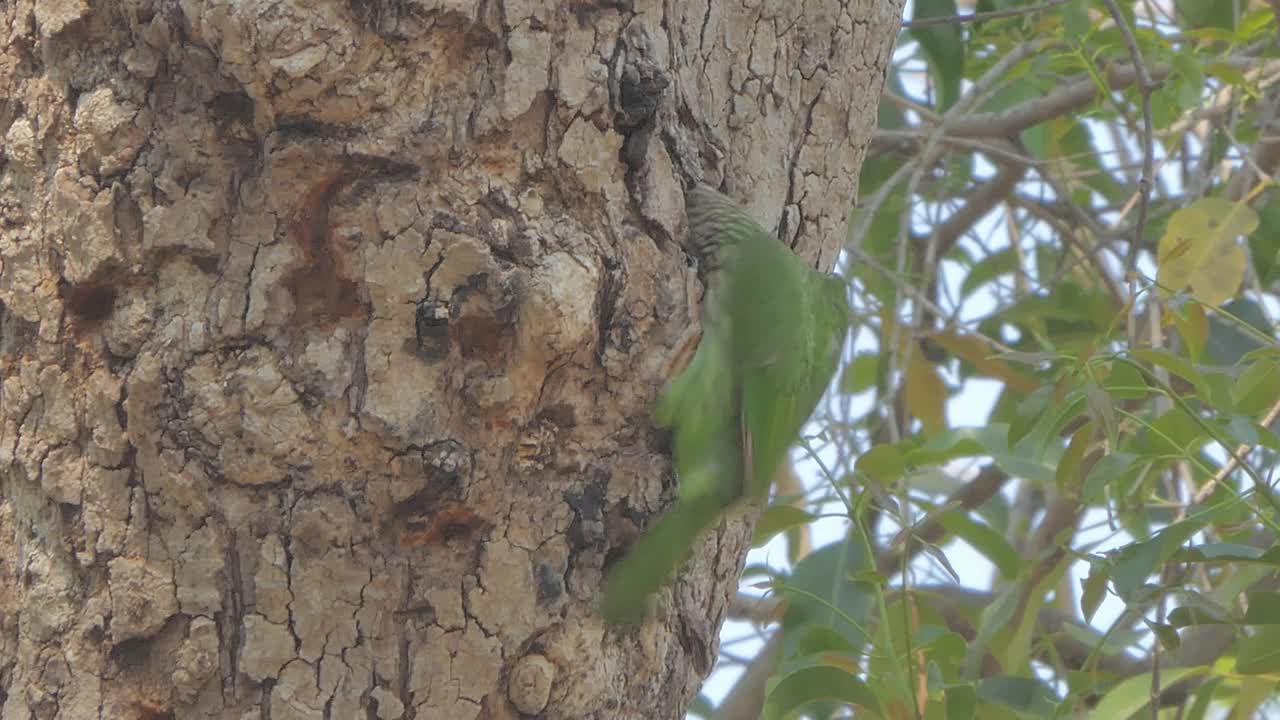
(89, 303)
(431, 323)
(207, 264)
(230, 107)
(561, 414)
(131, 654)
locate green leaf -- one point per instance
(1204, 696)
(1264, 608)
(1067, 477)
(1093, 589)
(1133, 694)
(1193, 327)
(1166, 634)
(1227, 552)
(1268, 352)
(939, 448)
(1000, 262)
(817, 639)
(826, 574)
(1106, 471)
(813, 684)
(1228, 342)
(1186, 81)
(1257, 387)
(1027, 412)
(1102, 412)
(1175, 364)
(1207, 13)
(962, 700)
(1075, 20)
(1126, 382)
(1220, 386)
(882, 464)
(935, 553)
(1173, 433)
(943, 47)
(1227, 73)
(985, 540)
(1254, 692)
(1026, 695)
(1134, 563)
(880, 240)
(1112, 645)
(1243, 430)
(1035, 454)
(947, 649)
(1186, 616)
(1259, 653)
(933, 480)
(1017, 649)
(777, 519)
(994, 618)
(1206, 607)
(1264, 243)
(861, 374)
(1254, 23)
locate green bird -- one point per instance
(772, 332)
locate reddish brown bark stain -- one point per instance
(453, 522)
(321, 292)
(153, 710)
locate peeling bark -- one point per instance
(329, 333)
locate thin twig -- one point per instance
(982, 16)
(926, 113)
(1224, 100)
(1145, 88)
(971, 495)
(978, 202)
(1233, 461)
(1265, 154)
(905, 137)
(1073, 239)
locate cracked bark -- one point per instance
(329, 333)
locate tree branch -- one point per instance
(976, 492)
(1075, 94)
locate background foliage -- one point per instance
(1043, 485)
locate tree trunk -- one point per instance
(330, 332)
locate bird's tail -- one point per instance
(654, 558)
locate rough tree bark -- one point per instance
(330, 330)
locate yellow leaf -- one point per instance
(926, 394)
(1199, 249)
(978, 351)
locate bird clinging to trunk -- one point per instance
(772, 332)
